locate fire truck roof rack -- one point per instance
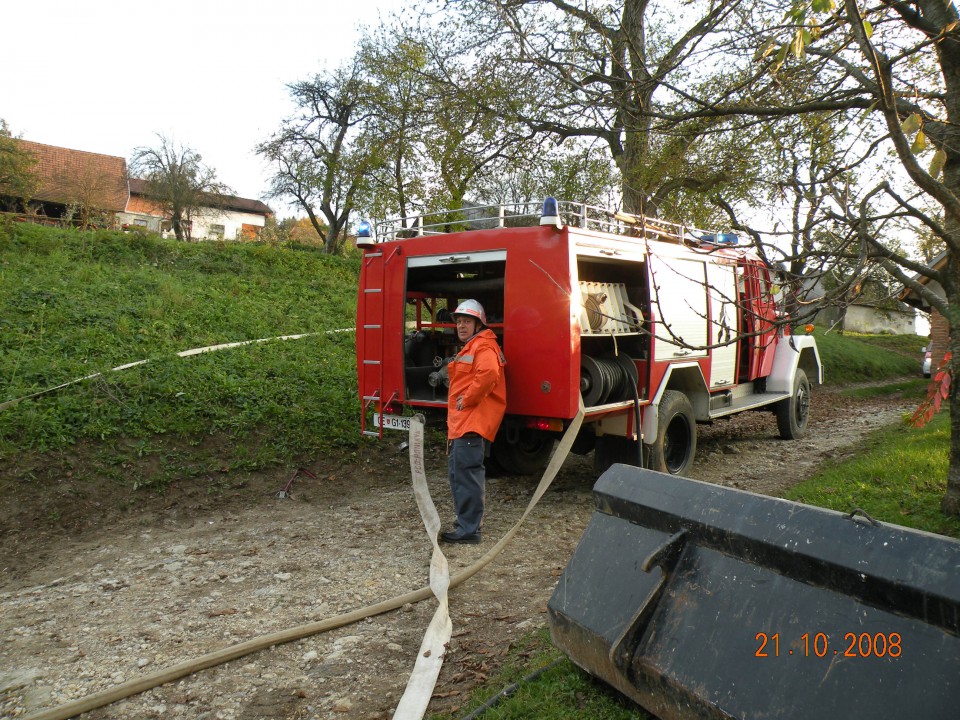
(588, 217)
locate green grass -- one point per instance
(559, 692)
(900, 479)
(75, 303)
(854, 357)
(907, 345)
(904, 387)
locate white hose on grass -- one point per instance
(183, 353)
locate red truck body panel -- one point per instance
(616, 317)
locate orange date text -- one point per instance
(819, 644)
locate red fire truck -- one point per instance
(656, 325)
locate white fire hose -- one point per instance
(182, 353)
(426, 669)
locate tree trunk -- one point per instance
(950, 504)
(334, 240)
(634, 199)
(948, 51)
(177, 223)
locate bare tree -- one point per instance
(324, 156)
(413, 123)
(179, 182)
(605, 71)
(91, 195)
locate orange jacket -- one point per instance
(476, 374)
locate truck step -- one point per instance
(746, 402)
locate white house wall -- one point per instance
(133, 219)
(231, 220)
(874, 320)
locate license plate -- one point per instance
(391, 422)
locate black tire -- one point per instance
(529, 455)
(675, 446)
(585, 441)
(612, 449)
(793, 414)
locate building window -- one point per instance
(217, 231)
(140, 222)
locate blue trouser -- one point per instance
(466, 473)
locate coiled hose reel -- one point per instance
(607, 379)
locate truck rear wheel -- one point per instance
(794, 412)
(674, 448)
(528, 455)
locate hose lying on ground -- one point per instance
(183, 354)
(218, 657)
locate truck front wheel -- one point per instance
(676, 443)
(794, 412)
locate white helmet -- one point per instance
(471, 308)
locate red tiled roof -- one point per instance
(67, 176)
(143, 205)
(138, 187)
(247, 205)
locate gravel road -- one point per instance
(128, 592)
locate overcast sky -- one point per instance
(107, 75)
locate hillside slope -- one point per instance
(73, 304)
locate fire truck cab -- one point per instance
(656, 326)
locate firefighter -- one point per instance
(476, 403)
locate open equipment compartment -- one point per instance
(435, 285)
(613, 328)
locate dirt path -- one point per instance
(125, 594)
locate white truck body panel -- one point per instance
(724, 325)
(679, 308)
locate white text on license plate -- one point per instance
(391, 422)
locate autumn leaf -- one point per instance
(919, 143)
(936, 165)
(911, 124)
(937, 391)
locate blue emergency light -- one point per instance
(720, 239)
(550, 214)
(365, 239)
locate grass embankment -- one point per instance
(76, 303)
(855, 358)
(901, 474)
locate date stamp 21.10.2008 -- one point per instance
(820, 644)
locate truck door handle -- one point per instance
(455, 259)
